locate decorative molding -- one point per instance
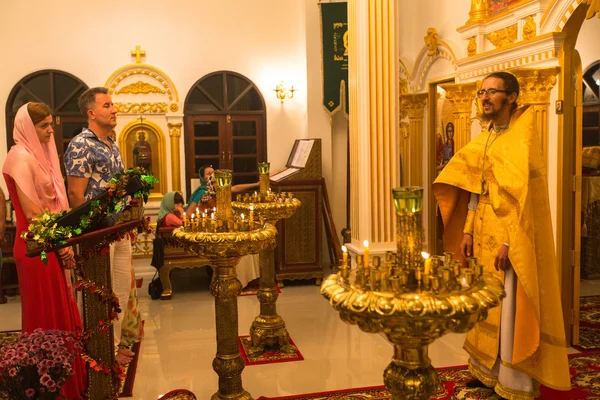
(174, 129)
(461, 95)
(556, 16)
(529, 28)
(142, 69)
(142, 108)
(424, 62)
(539, 49)
(535, 84)
(478, 11)
(503, 37)
(174, 107)
(414, 104)
(140, 87)
(472, 46)
(431, 41)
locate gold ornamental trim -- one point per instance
(219, 245)
(385, 311)
(529, 28)
(142, 108)
(461, 95)
(503, 37)
(174, 107)
(174, 129)
(140, 87)
(431, 41)
(594, 8)
(272, 211)
(472, 46)
(142, 69)
(536, 84)
(414, 104)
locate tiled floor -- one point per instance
(179, 346)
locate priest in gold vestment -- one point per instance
(493, 197)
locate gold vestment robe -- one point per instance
(514, 209)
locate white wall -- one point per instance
(265, 40)
(587, 42)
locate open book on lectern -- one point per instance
(297, 160)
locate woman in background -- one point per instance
(171, 210)
(33, 177)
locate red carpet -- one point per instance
(585, 379)
(269, 357)
(130, 370)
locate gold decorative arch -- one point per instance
(155, 137)
(162, 85)
(425, 60)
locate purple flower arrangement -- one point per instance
(38, 364)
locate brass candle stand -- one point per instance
(412, 299)
(224, 238)
(268, 329)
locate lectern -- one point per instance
(299, 244)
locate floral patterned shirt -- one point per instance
(89, 157)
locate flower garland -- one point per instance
(47, 234)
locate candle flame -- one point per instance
(193, 215)
(366, 243)
(425, 255)
(344, 249)
(242, 216)
(213, 216)
(251, 208)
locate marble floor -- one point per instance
(179, 343)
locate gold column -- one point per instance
(414, 105)
(373, 84)
(478, 11)
(461, 95)
(536, 85)
(175, 134)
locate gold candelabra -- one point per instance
(268, 328)
(412, 298)
(224, 238)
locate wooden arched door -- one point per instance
(225, 126)
(60, 91)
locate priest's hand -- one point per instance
(466, 246)
(501, 262)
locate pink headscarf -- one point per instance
(35, 167)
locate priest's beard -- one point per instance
(490, 115)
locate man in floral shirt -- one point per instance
(91, 160)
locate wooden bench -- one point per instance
(175, 256)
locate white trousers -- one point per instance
(510, 382)
(120, 268)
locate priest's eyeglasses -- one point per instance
(489, 92)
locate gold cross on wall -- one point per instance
(138, 54)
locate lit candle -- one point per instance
(427, 262)
(213, 222)
(242, 216)
(203, 220)
(366, 258)
(185, 220)
(192, 218)
(344, 256)
(197, 211)
(251, 217)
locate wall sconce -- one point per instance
(283, 93)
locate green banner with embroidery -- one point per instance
(334, 23)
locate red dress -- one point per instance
(46, 301)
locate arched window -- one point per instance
(60, 91)
(225, 126)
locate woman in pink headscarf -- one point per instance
(34, 181)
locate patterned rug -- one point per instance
(252, 289)
(589, 323)
(269, 357)
(585, 379)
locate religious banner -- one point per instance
(334, 23)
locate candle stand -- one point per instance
(412, 299)
(268, 329)
(224, 238)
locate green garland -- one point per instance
(43, 229)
